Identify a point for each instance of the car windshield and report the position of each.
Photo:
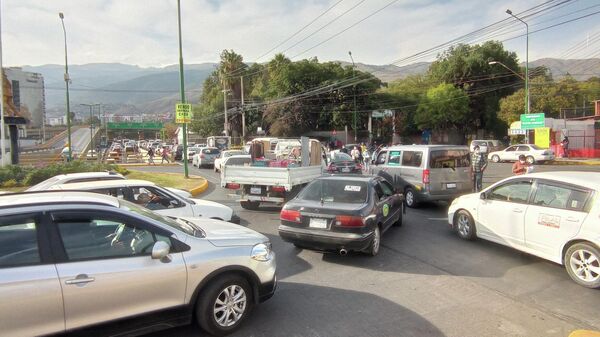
(341, 157)
(340, 191)
(184, 226)
(211, 151)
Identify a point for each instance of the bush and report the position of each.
(12, 172)
(37, 175)
(10, 183)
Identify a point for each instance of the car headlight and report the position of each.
(262, 252)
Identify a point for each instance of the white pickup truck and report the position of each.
(276, 185)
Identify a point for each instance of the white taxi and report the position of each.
(554, 215)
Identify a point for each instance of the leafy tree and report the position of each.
(443, 107)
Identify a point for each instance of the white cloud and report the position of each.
(144, 32)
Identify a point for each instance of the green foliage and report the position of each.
(10, 183)
(443, 107)
(34, 175)
(12, 172)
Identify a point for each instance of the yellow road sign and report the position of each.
(183, 113)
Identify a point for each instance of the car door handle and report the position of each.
(571, 219)
(517, 210)
(80, 279)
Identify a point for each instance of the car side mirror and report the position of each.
(160, 251)
(482, 196)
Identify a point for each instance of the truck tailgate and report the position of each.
(269, 176)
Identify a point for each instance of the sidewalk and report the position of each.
(575, 161)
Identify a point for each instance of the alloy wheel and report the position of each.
(230, 306)
(464, 225)
(585, 265)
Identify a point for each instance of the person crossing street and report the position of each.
(478, 165)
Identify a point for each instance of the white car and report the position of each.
(532, 153)
(224, 155)
(205, 156)
(552, 215)
(75, 178)
(162, 200)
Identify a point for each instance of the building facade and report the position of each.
(28, 95)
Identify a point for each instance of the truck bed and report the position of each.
(287, 177)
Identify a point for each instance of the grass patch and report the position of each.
(14, 189)
(175, 180)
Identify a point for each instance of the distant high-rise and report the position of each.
(28, 94)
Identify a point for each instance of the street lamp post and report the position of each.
(182, 90)
(225, 123)
(527, 96)
(354, 117)
(67, 80)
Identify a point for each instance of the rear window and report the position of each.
(449, 159)
(342, 157)
(348, 192)
(412, 158)
(211, 151)
(238, 161)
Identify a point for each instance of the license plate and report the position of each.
(317, 223)
(255, 190)
(345, 169)
(450, 185)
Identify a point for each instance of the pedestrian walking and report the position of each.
(355, 154)
(151, 156)
(521, 166)
(366, 159)
(164, 156)
(478, 165)
(565, 146)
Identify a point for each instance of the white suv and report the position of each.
(78, 261)
(550, 215)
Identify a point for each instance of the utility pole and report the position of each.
(354, 116)
(527, 95)
(225, 123)
(182, 90)
(67, 80)
(2, 127)
(243, 112)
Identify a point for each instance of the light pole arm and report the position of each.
(507, 68)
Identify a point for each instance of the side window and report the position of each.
(381, 158)
(154, 199)
(577, 200)
(412, 158)
(379, 192)
(387, 189)
(97, 237)
(523, 148)
(394, 158)
(513, 192)
(510, 149)
(18, 241)
(552, 196)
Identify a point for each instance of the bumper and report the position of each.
(426, 196)
(267, 290)
(326, 241)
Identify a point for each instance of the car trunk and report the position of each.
(322, 216)
(449, 172)
(344, 166)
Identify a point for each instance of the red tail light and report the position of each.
(349, 221)
(290, 215)
(278, 189)
(426, 177)
(232, 186)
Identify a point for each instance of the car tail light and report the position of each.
(278, 189)
(426, 174)
(232, 186)
(290, 215)
(202, 156)
(359, 167)
(349, 221)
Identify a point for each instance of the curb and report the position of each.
(200, 189)
(145, 165)
(573, 162)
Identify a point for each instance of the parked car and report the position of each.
(179, 152)
(342, 213)
(223, 155)
(77, 261)
(425, 172)
(551, 215)
(205, 156)
(71, 178)
(486, 146)
(343, 163)
(158, 199)
(533, 154)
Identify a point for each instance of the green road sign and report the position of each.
(183, 113)
(533, 121)
(135, 125)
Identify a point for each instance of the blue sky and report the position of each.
(144, 32)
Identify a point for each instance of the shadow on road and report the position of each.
(309, 310)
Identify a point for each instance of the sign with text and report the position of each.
(542, 137)
(183, 113)
(533, 121)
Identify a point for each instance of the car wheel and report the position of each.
(250, 205)
(465, 226)
(410, 198)
(582, 261)
(530, 160)
(224, 305)
(496, 158)
(375, 242)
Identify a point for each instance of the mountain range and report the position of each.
(130, 89)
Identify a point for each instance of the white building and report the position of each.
(28, 94)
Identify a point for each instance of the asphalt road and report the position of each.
(425, 282)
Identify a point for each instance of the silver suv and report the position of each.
(76, 260)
